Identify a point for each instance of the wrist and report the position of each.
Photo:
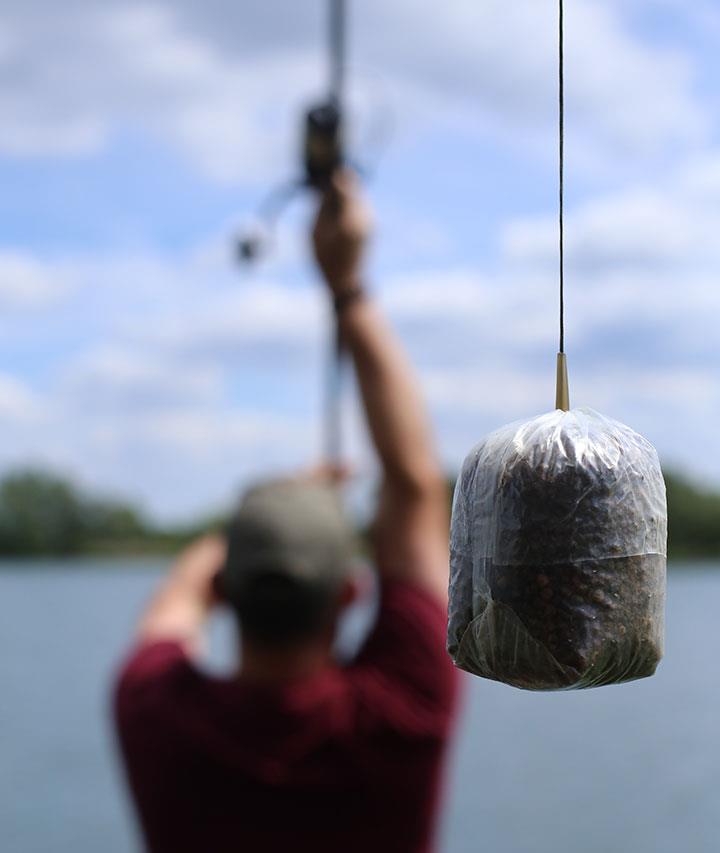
(349, 295)
(340, 282)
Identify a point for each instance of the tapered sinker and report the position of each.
(558, 555)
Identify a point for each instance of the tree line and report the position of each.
(43, 514)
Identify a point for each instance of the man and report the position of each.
(297, 753)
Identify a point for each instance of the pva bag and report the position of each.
(558, 555)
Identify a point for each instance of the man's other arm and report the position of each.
(180, 607)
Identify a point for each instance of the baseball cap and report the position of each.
(291, 528)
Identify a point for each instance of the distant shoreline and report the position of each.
(136, 560)
(45, 516)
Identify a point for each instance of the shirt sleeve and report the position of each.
(148, 666)
(403, 677)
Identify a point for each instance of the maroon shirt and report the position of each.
(349, 760)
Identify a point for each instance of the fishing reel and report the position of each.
(322, 148)
(322, 154)
(324, 142)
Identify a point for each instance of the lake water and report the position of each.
(631, 769)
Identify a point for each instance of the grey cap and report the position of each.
(293, 528)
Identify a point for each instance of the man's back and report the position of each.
(348, 759)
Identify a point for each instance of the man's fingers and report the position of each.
(345, 188)
(330, 204)
(344, 182)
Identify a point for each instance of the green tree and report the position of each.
(694, 518)
(39, 514)
(44, 514)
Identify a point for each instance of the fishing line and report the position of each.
(562, 392)
(561, 139)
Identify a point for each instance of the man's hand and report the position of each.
(341, 232)
(181, 605)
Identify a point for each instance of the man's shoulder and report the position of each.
(402, 597)
(152, 672)
(411, 621)
(403, 676)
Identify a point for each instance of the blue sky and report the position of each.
(137, 137)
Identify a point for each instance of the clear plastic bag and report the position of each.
(558, 555)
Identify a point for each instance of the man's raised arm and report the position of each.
(412, 521)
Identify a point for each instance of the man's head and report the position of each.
(289, 563)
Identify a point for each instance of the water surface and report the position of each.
(630, 769)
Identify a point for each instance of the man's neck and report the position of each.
(273, 666)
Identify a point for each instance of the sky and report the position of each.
(137, 138)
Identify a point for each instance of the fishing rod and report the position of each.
(322, 154)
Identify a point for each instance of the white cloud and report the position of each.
(120, 380)
(491, 391)
(445, 293)
(667, 231)
(79, 75)
(257, 315)
(633, 230)
(28, 283)
(216, 435)
(184, 461)
(178, 456)
(621, 92)
(19, 406)
(228, 96)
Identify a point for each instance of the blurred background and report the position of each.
(145, 376)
